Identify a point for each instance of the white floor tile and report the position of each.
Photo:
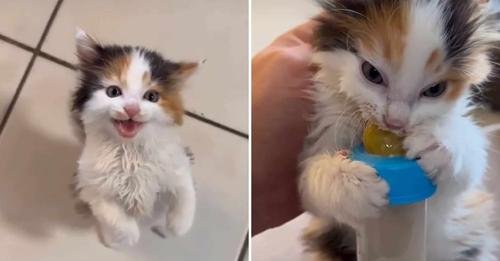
(24, 20)
(13, 62)
(37, 159)
(191, 30)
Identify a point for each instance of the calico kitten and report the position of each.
(406, 65)
(134, 169)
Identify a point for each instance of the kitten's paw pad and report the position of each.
(121, 235)
(371, 191)
(342, 154)
(432, 156)
(179, 224)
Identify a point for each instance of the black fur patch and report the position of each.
(338, 242)
(470, 253)
(459, 27)
(329, 35)
(190, 154)
(161, 69)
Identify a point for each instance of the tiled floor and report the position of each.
(38, 150)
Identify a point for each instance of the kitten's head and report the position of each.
(127, 90)
(404, 62)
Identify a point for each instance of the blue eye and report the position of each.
(371, 73)
(435, 90)
(113, 91)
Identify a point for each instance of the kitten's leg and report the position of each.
(160, 215)
(116, 228)
(470, 227)
(182, 207)
(335, 187)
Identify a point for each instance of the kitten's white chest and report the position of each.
(133, 174)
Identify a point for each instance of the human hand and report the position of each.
(281, 75)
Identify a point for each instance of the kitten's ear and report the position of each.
(86, 47)
(185, 70)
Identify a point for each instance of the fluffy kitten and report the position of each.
(133, 169)
(406, 65)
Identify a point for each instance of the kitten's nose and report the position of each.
(393, 124)
(131, 110)
(397, 115)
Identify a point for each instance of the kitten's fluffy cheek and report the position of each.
(428, 110)
(157, 114)
(341, 69)
(97, 108)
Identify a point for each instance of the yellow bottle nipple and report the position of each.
(381, 142)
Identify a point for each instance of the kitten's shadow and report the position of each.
(35, 194)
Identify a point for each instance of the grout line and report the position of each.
(216, 124)
(244, 249)
(48, 26)
(17, 43)
(58, 61)
(35, 52)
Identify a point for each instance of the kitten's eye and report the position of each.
(113, 91)
(371, 73)
(435, 90)
(152, 96)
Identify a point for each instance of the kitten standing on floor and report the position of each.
(408, 66)
(134, 169)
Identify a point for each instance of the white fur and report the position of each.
(451, 146)
(128, 182)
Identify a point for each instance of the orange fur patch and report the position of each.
(146, 78)
(456, 89)
(382, 30)
(171, 102)
(117, 69)
(434, 61)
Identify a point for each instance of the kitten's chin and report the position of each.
(127, 129)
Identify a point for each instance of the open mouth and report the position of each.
(128, 128)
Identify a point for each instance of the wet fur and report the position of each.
(435, 41)
(128, 183)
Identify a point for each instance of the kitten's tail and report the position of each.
(492, 128)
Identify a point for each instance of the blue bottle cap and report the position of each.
(408, 183)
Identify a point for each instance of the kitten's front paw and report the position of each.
(179, 224)
(430, 154)
(370, 190)
(120, 235)
(334, 186)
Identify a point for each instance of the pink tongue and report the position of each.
(127, 129)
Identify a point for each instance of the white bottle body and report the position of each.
(399, 234)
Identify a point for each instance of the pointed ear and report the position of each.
(185, 70)
(86, 47)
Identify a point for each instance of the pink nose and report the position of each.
(131, 110)
(394, 124)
